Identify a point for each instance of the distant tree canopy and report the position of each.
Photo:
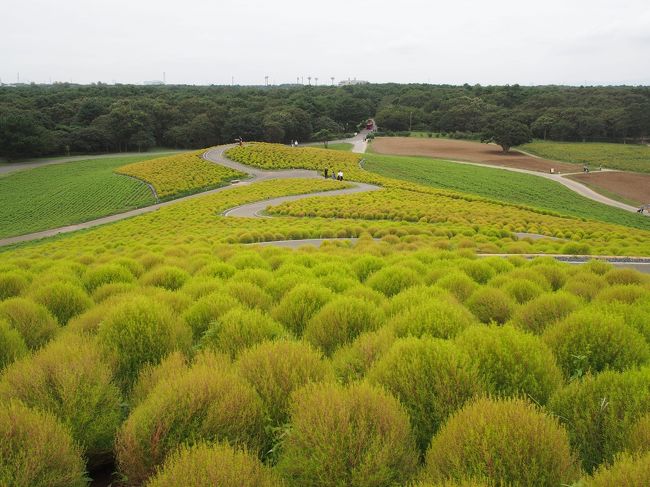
(506, 132)
(42, 120)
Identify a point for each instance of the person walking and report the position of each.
(325, 172)
(340, 176)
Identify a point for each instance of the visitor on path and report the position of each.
(643, 207)
(295, 143)
(325, 172)
(340, 178)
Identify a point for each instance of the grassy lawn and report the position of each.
(63, 194)
(500, 185)
(612, 156)
(342, 146)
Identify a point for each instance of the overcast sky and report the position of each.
(573, 42)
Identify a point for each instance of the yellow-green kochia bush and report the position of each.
(106, 274)
(340, 321)
(600, 411)
(439, 319)
(172, 366)
(352, 361)
(206, 310)
(626, 470)
(473, 482)
(168, 277)
(355, 436)
(71, 379)
(393, 279)
(36, 450)
(298, 306)
(639, 437)
(491, 305)
(509, 441)
(139, 332)
(512, 362)
(33, 321)
(12, 283)
(63, 300)
(545, 310)
(12, 345)
(209, 465)
(432, 378)
(278, 368)
(210, 402)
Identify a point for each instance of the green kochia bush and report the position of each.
(250, 295)
(209, 402)
(63, 300)
(355, 436)
(431, 377)
(209, 465)
(299, 305)
(172, 366)
(537, 314)
(12, 345)
(352, 361)
(106, 274)
(639, 438)
(239, 329)
(340, 321)
(627, 470)
(458, 283)
(168, 277)
(12, 283)
(206, 310)
(509, 441)
(36, 450)
(393, 279)
(590, 340)
(600, 411)
(70, 378)
(441, 319)
(490, 304)
(140, 332)
(33, 321)
(512, 362)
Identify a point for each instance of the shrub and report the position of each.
(70, 378)
(199, 287)
(354, 436)
(393, 279)
(278, 368)
(300, 304)
(590, 341)
(208, 465)
(627, 470)
(509, 441)
(431, 378)
(33, 321)
(624, 276)
(352, 361)
(366, 265)
(250, 295)
(490, 304)
(537, 314)
(340, 321)
(416, 296)
(628, 293)
(102, 293)
(167, 277)
(441, 319)
(522, 290)
(12, 345)
(553, 273)
(36, 450)
(140, 332)
(479, 271)
(639, 438)
(585, 285)
(205, 403)
(239, 329)
(473, 482)
(206, 310)
(63, 300)
(106, 274)
(457, 283)
(12, 283)
(600, 411)
(363, 292)
(512, 362)
(172, 366)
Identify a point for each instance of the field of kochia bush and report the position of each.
(163, 346)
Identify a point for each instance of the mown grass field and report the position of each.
(500, 185)
(72, 192)
(161, 348)
(625, 157)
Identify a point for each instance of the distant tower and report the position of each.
(332, 78)
(164, 77)
(266, 80)
(316, 81)
(309, 79)
(297, 80)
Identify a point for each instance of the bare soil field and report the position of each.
(634, 187)
(462, 150)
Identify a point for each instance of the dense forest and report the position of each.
(62, 118)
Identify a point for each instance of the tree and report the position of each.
(507, 133)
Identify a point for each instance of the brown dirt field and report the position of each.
(632, 186)
(462, 150)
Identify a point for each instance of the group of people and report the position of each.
(293, 143)
(337, 176)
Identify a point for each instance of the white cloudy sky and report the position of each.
(211, 41)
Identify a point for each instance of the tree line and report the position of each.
(40, 120)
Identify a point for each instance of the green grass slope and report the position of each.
(500, 185)
(63, 194)
(611, 156)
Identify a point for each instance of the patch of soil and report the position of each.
(462, 150)
(632, 186)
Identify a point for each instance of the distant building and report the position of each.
(355, 81)
(154, 82)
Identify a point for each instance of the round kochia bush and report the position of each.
(63, 300)
(206, 310)
(340, 321)
(393, 279)
(512, 362)
(590, 340)
(352, 361)
(441, 319)
(209, 465)
(140, 332)
(33, 321)
(12, 283)
(298, 306)
(490, 304)
(168, 277)
(600, 412)
(12, 345)
(639, 438)
(549, 308)
(431, 377)
(508, 441)
(70, 378)
(106, 274)
(208, 402)
(354, 436)
(278, 368)
(36, 450)
(627, 470)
